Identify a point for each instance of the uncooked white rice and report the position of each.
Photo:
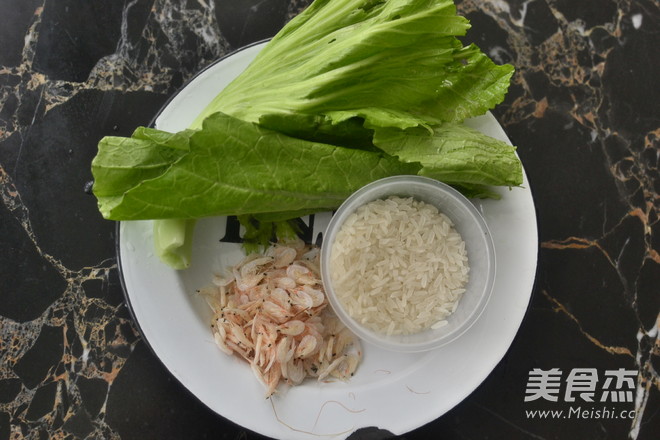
(398, 266)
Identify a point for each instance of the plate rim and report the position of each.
(120, 266)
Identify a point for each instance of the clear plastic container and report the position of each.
(479, 244)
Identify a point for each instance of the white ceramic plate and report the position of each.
(397, 392)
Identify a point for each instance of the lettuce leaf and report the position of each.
(229, 167)
(393, 63)
(146, 154)
(454, 153)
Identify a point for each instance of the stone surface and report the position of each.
(583, 110)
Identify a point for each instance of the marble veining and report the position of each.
(583, 109)
(93, 339)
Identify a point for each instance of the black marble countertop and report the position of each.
(583, 109)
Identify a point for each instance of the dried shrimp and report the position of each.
(271, 310)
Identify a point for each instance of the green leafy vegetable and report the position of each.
(454, 154)
(173, 241)
(122, 161)
(393, 63)
(231, 167)
(259, 232)
(347, 92)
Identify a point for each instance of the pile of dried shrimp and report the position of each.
(272, 311)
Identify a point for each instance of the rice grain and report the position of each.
(399, 266)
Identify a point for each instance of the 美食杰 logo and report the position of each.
(590, 394)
